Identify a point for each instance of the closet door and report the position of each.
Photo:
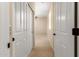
(64, 22)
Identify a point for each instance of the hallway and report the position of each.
(42, 47)
(39, 29)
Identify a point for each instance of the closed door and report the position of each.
(63, 24)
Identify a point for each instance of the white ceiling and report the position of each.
(41, 9)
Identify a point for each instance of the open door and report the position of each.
(22, 29)
(19, 29)
(63, 24)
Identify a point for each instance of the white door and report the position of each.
(64, 22)
(4, 29)
(19, 29)
(22, 29)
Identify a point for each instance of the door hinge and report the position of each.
(8, 45)
(75, 31)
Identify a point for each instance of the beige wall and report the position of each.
(40, 25)
(50, 26)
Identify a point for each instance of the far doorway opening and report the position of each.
(42, 31)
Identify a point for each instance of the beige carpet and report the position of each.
(42, 47)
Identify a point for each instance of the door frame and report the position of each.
(32, 24)
(75, 26)
(10, 28)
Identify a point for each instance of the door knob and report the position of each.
(54, 34)
(13, 39)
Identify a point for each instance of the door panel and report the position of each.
(64, 22)
(22, 29)
(19, 45)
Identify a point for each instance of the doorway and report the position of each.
(42, 31)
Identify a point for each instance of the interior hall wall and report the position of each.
(40, 25)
